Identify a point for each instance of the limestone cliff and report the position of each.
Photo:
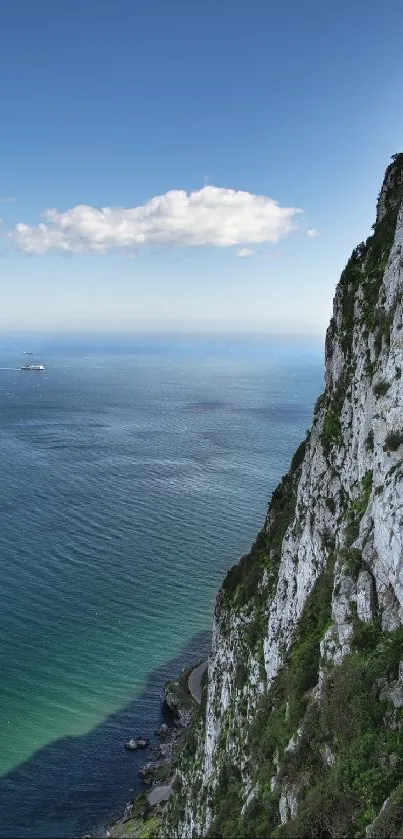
(302, 730)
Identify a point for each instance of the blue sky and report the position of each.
(110, 103)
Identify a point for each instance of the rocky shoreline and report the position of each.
(142, 815)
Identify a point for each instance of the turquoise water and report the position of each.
(133, 474)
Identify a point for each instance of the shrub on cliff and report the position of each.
(393, 440)
(331, 432)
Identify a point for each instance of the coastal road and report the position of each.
(194, 681)
(160, 793)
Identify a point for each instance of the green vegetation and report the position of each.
(366, 636)
(366, 484)
(142, 823)
(350, 281)
(137, 829)
(378, 246)
(240, 674)
(368, 754)
(331, 432)
(370, 365)
(239, 591)
(242, 579)
(381, 388)
(369, 443)
(189, 739)
(319, 404)
(180, 688)
(331, 505)
(277, 717)
(389, 823)
(384, 322)
(228, 804)
(393, 440)
(357, 509)
(299, 454)
(361, 732)
(241, 582)
(358, 293)
(352, 561)
(342, 753)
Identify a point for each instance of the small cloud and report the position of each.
(312, 232)
(7, 199)
(244, 252)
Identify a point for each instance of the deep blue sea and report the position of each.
(133, 474)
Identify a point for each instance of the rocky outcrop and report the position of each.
(133, 745)
(304, 687)
(182, 705)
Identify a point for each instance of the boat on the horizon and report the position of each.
(31, 365)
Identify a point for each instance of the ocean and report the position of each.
(133, 473)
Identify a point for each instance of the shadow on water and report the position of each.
(80, 784)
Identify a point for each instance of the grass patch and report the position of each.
(331, 432)
(368, 754)
(352, 561)
(357, 509)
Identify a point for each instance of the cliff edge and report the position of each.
(302, 734)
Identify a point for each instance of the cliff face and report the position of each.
(302, 731)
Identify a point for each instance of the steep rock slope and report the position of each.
(302, 728)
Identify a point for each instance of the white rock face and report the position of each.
(365, 597)
(288, 804)
(302, 560)
(330, 487)
(303, 557)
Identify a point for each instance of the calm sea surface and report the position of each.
(132, 475)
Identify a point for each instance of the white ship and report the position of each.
(30, 365)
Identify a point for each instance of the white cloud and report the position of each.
(7, 199)
(210, 216)
(312, 232)
(244, 252)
